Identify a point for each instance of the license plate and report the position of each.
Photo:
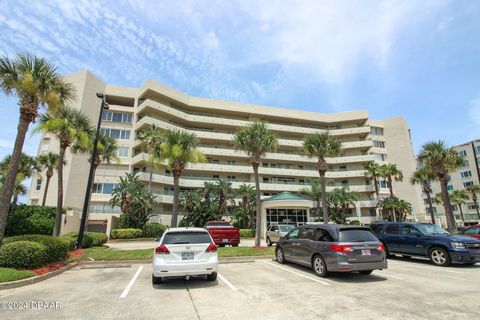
(225, 240)
(187, 255)
(366, 252)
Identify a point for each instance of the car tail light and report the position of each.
(161, 249)
(341, 248)
(211, 248)
(381, 248)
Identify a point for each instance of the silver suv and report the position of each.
(276, 231)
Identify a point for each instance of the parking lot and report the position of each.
(409, 289)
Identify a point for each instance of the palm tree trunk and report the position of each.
(474, 198)
(7, 190)
(258, 215)
(324, 196)
(58, 214)
(390, 185)
(461, 212)
(176, 194)
(150, 179)
(430, 205)
(377, 197)
(447, 205)
(45, 192)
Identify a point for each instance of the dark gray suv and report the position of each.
(327, 248)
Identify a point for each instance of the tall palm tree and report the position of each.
(49, 163)
(314, 192)
(403, 208)
(71, 127)
(440, 159)
(459, 197)
(256, 140)
(474, 190)
(225, 194)
(179, 149)
(320, 146)
(423, 177)
(207, 190)
(372, 171)
(390, 172)
(106, 149)
(35, 82)
(341, 199)
(152, 137)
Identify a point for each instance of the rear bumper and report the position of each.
(219, 241)
(344, 266)
(466, 256)
(161, 269)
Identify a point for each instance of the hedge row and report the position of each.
(247, 233)
(29, 219)
(129, 233)
(23, 255)
(56, 248)
(151, 230)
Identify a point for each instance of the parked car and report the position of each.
(473, 231)
(332, 248)
(185, 252)
(223, 233)
(427, 240)
(276, 231)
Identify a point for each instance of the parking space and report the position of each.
(261, 289)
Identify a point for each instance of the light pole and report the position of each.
(103, 105)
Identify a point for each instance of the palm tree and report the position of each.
(152, 137)
(459, 197)
(423, 177)
(179, 149)
(106, 149)
(256, 140)
(71, 127)
(247, 191)
(35, 82)
(320, 146)
(340, 199)
(440, 159)
(474, 190)
(49, 163)
(388, 206)
(314, 193)
(123, 194)
(225, 194)
(403, 208)
(207, 190)
(391, 172)
(372, 171)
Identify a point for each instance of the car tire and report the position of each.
(212, 276)
(319, 266)
(365, 272)
(221, 245)
(387, 253)
(269, 242)
(439, 257)
(235, 245)
(157, 280)
(280, 256)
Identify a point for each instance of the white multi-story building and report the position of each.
(214, 122)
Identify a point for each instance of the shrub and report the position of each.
(355, 222)
(87, 239)
(56, 248)
(154, 230)
(30, 220)
(247, 233)
(98, 238)
(23, 255)
(126, 233)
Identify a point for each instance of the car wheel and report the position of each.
(319, 266)
(279, 255)
(365, 272)
(212, 276)
(157, 280)
(221, 245)
(440, 257)
(269, 242)
(235, 245)
(387, 253)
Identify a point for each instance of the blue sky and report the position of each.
(419, 59)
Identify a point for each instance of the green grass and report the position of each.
(9, 274)
(130, 240)
(107, 254)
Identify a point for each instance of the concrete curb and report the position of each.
(35, 279)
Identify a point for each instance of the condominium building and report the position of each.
(466, 176)
(214, 122)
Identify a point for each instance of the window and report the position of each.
(392, 229)
(383, 184)
(472, 231)
(477, 149)
(186, 237)
(466, 174)
(449, 187)
(462, 153)
(117, 117)
(38, 184)
(273, 228)
(307, 233)
(323, 235)
(428, 210)
(45, 144)
(468, 184)
(116, 133)
(380, 156)
(122, 152)
(378, 144)
(293, 234)
(472, 207)
(356, 235)
(104, 188)
(376, 131)
(231, 178)
(231, 162)
(343, 168)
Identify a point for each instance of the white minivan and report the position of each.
(185, 252)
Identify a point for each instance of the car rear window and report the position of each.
(356, 235)
(286, 228)
(186, 238)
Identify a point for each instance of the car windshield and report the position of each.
(186, 238)
(356, 235)
(430, 229)
(285, 228)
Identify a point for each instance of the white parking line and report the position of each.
(390, 275)
(297, 273)
(433, 268)
(130, 284)
(227, 282)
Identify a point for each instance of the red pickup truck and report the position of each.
(223, 233)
